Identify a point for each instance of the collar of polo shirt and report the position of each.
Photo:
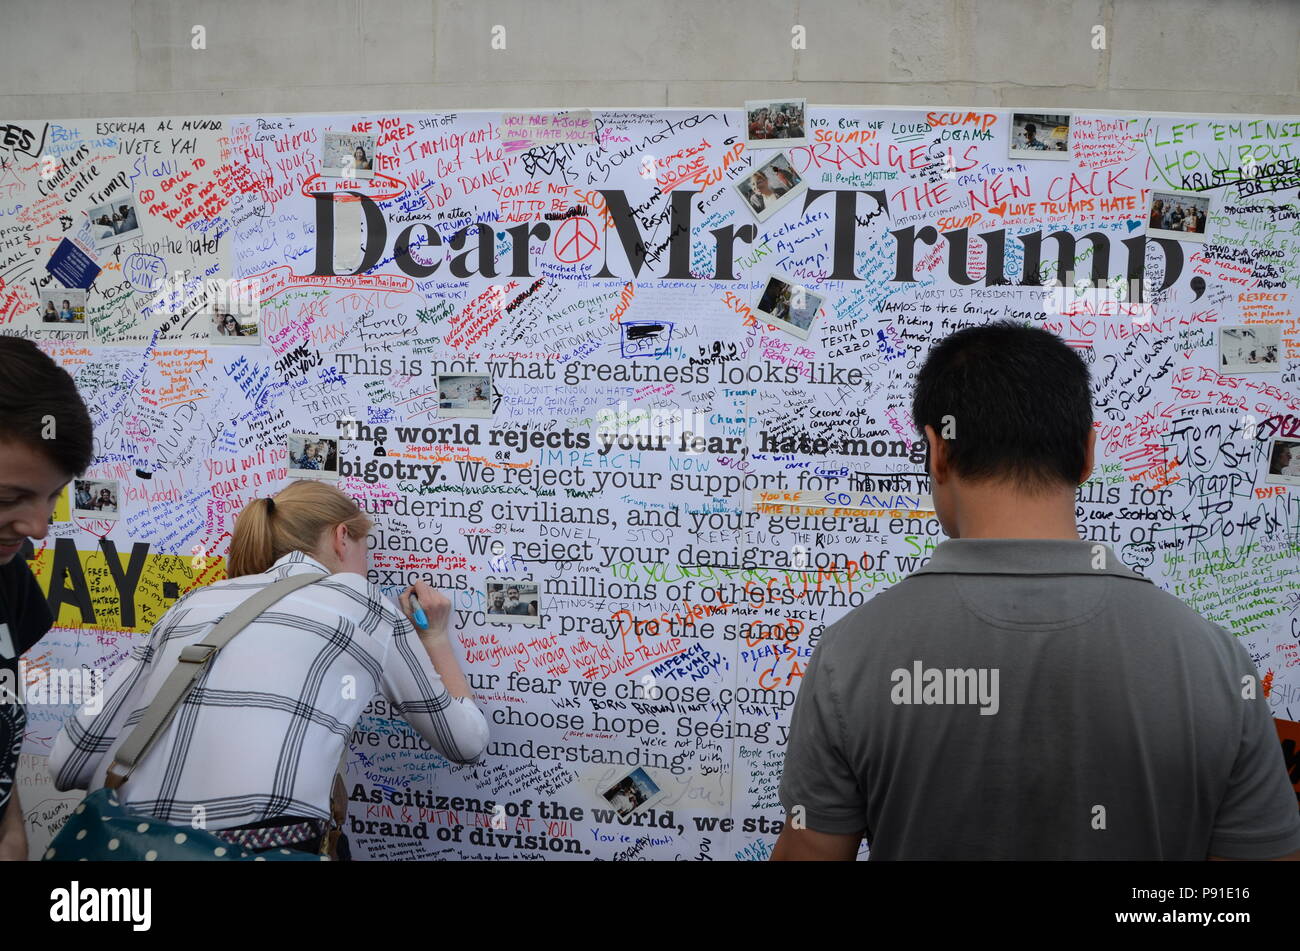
(1026, 556)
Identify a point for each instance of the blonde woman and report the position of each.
(253, 749)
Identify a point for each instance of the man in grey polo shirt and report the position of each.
(1025, 695)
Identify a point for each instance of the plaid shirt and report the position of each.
(261, 733)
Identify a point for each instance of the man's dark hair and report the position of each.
(33, 389)
(1020, 401)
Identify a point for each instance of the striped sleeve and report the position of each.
(453, 725)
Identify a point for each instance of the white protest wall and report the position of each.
(652, 563)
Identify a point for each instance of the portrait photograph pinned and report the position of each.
(772, 186)
(115, 221)
(1283, 462)
(312, 456)
(60, 314)
(468, 394)
(776, 123)
(66, 307)
(789, 305)
(347, 155)
(513, 602)
(1177, 216)
(634, 791)
(1039, 136)
(1250, 348)
(237, 329)
(95, 498)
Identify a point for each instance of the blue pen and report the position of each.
(420, 617)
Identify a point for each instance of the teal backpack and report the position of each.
(101, 829)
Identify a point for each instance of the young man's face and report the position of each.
(29, 487)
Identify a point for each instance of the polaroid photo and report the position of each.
(633, 792)
(513, 602)
(1039, 136)
(313, 456)
(789, 305)
(776, 123)
(1177, 216)
(232, 329)
(115, 221)
(1283, 462)
(771, 186)
(62, 308)
(465, 394)
(60, 314)
(95, 498)
(1250, 348)
(348, 155)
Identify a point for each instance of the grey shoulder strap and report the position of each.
(192, 661)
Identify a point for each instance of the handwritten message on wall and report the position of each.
(543, 352)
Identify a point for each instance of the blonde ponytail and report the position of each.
(268, 529)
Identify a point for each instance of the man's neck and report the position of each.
(999, 512)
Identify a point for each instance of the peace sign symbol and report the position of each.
(575, 239)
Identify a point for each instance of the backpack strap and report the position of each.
(192, 661)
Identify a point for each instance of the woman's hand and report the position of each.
(435, 606)
(434, 634)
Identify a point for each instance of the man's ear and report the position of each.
(1089, 455)
(938, 455)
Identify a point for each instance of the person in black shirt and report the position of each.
(46, 439)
